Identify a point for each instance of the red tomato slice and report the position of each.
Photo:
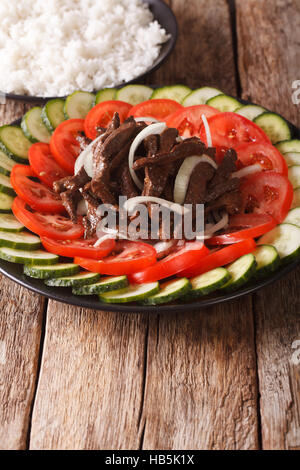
(128, 257)
(188, 120)
(46, 225)
(220, 258)
(63, 144)
(81, 247)
(44, 165)
(38, 196)
(229, 130)
(190, 254)
(265, 154)
(267, 193)
(244, 226)
(101, 115)
(158, 109)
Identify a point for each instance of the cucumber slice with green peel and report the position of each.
(36, 257)
(50, 272)
(134, 94)
(8, 223)
(107, 94)
(223, 103)
(14, 143)
(296, 198)
(208, 282)
(292, 158)
(6, 164)
(20, 241)
(78, 104)
(169, 291)
(250, 111)
(104, 285)
(173, 92)
(5, 185)
(132, 293)
(240, 271)
(288, 146)
(267, 259)
(285, 238)
(200, 96)
(274, 126)
(294, 175)
(33, 127)
(293, 216)
(6, 202)
(80, 279)
(53, 113)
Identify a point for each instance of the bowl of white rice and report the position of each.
(51, 49)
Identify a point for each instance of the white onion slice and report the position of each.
(131, 204)
(248, 170)
(156, 128)
(207, 131)
(184, 174)
(85, 159)
(145, 119)
(215, 228)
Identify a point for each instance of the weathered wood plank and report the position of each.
(269, 58)
(20, 335)
(90, 389)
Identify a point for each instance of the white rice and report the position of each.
(51, 48)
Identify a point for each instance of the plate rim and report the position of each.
(169, 47)
(64, 294)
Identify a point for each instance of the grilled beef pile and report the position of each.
(157, 162)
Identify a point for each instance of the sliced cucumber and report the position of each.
(33, 127)
(296, 198)
(223, 103)
(53, 113)
(208, 282)
(14, 143)
(5, 186)
(20, 241)
(132, 293)
(169, 291)
(294, 175)
(285, 238)
(173, 92)
(107, 94)
(293, 217)
(240, 271)
(134, 94)
(78, 104)
(50, 272)
(104, 285)
(267, 259)
(8, 223)
(250, 111)
(6, 164)
(274, 126)
(37, 257)
(289, 146)
(200, 96)
(80, 279)
(292, 158)
(6, 202)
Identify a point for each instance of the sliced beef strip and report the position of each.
(222, 182)
(91, 220)
(184, 149)
(70, 200)
(128, 187)
(72, 183)
(202, 174)
(230, 201)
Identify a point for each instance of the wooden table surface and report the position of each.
(225, 377)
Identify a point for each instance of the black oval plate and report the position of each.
(166, 18)
(64, 294)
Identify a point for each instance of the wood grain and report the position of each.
(269, 58)
(20, 336)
